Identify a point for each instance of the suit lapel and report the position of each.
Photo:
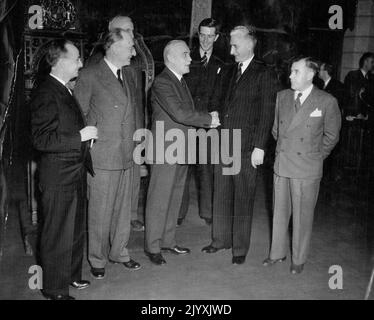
(307, 107)
(182, 89)
(109, 81)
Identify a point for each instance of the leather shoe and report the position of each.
(238, 260)
(211, 249)
(177, 250)
(98, 273)
(58, 296)
(133, 265)
(137, 225)
(269, 262)
(297, 268)
(80, 285)
(156, 258)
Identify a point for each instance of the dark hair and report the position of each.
(310, 62)
(328, 68)
(210, 23)
(363, 58)
(112, 36)
(56, 50)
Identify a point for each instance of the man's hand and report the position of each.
(215, 119)
(88, 133)
(257, 157)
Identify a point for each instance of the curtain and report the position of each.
(7, 85)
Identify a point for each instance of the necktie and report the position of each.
(298, 102)
(239, 72)
(119, 77)
(204, 60)
(183, 82)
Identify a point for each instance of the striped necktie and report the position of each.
(204, 60)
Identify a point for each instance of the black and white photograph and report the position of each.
(186, 155)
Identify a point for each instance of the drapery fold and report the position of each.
(7, 78)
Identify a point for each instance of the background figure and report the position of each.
(205, 84)
(306, 127)
(60, 135)
(249, 106)
(133, 73)
(173, 108)
(336, 89)
(357, 86)
(107, 100)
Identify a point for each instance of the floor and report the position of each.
(342, 237)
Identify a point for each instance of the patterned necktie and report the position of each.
(119, 77)
(239, 72)
(204, 60)
(298, 102)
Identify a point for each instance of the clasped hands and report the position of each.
(215, 119)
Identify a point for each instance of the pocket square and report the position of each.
(316, 113)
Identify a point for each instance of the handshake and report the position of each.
(215, 119)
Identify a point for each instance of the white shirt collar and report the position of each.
(208, 54)
(58, 79)
(246, 63)
(327, 82)
(176, 74)
(304, 93)
(112, 67)
(363, 73)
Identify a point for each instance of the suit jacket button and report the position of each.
(299, 153)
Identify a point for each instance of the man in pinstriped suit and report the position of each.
(249, 106)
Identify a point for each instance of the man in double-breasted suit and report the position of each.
(60, 134)
(306, 127)
(133, 75)
(105, 97)
(249, 107)
(173, 113)
(205, 84)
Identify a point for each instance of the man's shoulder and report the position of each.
(323, 96)
(285, 92)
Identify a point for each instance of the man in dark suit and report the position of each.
(357, 86)
(332, 85)
(173, 110)
(249, 107)
(133, 73)
(337, 90)
(306, 127)
(204, 82)
(106, 99)
(60, 135)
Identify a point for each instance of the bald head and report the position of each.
(122, 22)
(177, 56)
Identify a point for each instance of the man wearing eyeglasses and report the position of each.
(204, 82)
